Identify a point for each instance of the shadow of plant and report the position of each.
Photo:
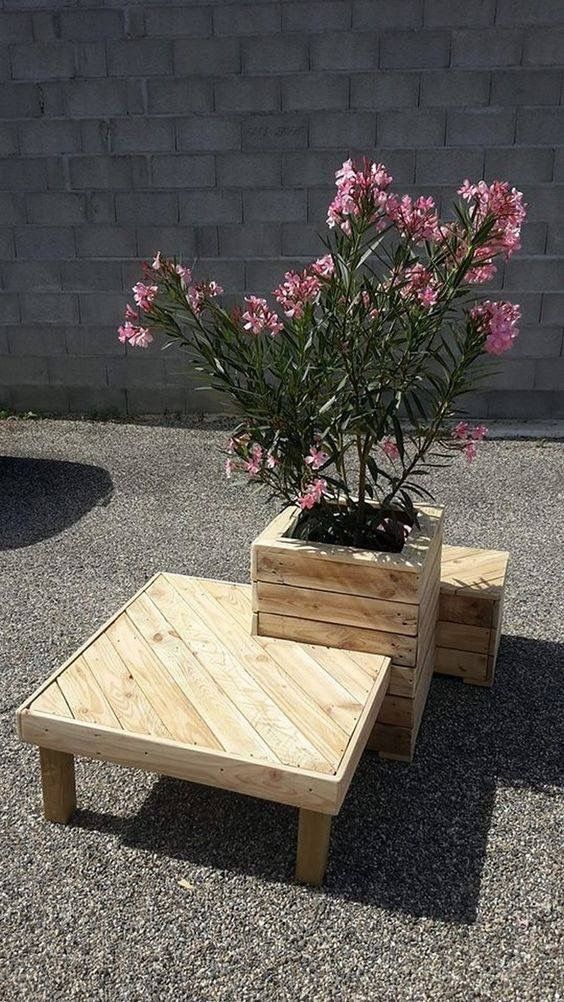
(409, 838)
(41, 497)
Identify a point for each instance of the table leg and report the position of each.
(314, 830)
(58, 783)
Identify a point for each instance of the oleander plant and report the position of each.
(348, 385)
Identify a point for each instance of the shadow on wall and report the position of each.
(40, 497)
(409, 838)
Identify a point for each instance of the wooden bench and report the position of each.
(470, 613)
(175, 684)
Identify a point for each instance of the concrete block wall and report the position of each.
(212, 130)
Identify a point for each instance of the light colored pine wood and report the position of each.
(282, 739)
(58, 785)
(468, 609)
(473, 572)
(224, 721)
(316, 731)
(282, 566)
(65, 664)
(84, 696)
(314, 833)
(333, 607)
(283, 784)
(355, 674)
(401, 649)
(51, 700)
(134, 712)
(460, 663)
(462, 637)
(122, 682)
(169, 701)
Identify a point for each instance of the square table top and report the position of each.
(174, 683)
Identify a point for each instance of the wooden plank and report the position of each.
(314, 832)
(84, 696)
(334, 607)
(315, 730)
(58, 785)
(134, 712)
(391, 742)
(461, 637)
(224, 721)
(401, 649)
(283, 741)
(354, 674)
(167, 698)
(284, 567)
(410, 560)
(51, 700)
(460, 663)
(82, 648)
(364, 727)
(283, 784)
(468, 609)
(472, 571)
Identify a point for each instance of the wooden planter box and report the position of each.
(470, 613)
(354, 599)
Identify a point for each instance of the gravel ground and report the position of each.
(443, 877)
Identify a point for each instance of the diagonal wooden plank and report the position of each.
(304, 713)
(51, 700)
(236, 599)
(126, 699)
(283, 742)
(167, 698)
(330, 695)
(310, 672)
(221, 716)
(84, 696)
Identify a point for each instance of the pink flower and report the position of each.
(390, 448)
(130, 313)
(230, 466)
(417, 220)
(312, 494)
(420, 285)
(137, 337)
(359, 189)
(324, 267)
(296, 291)
(464, 433)
(271, 461)
(317, 458)
(185, 273)
(461, 430)
(257, 317)
(156, 265)
(470, 451)
(498, 322)
(479, 432)
(506, 205)
(253, 465)
(144, 295)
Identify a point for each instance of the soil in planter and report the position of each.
(385, 532)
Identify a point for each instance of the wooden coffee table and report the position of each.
(175, 684)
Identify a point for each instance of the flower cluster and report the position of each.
(248, 457)
(498, 322)
(258, 317)
(316, 458)
(417, 219)
(420, 285)
(131, 331)
(462, 432)
(312, 494)
(295, 291)
(389, 448)
(505, 205)
(361, 190)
